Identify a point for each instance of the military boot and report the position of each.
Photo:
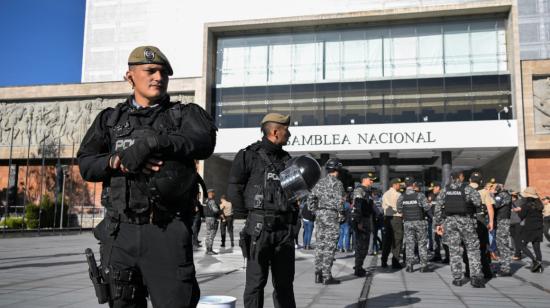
(330, 280)
(360, 272)
(458, 282)
(318, 277)
(395, 264)
(477, 282)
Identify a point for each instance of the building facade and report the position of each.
(399, 87)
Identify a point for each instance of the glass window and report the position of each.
(305, 110)
(501, 48)
(280, 66)
(255, 106)
(330, 98)
(279, 98)
(484, 46)
(353, 103)
(233, 70)
(405, 110)
(430, 50)
(457, 48)
(304, 62)
(230, 107)
(354, 55)
(256, 65)
(374, 53)
(432, 109)
(332, 61)
(458, 109)
(378, 94)
(400, 52)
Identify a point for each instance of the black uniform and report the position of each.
(362, 225)
(145, 238)
(267, 238)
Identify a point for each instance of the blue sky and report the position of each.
(41, 41)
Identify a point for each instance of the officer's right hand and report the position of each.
(116, 164)
(439, 230)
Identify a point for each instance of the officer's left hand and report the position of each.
(152, 165)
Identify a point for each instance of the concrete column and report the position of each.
(446, 167)
(384, 170)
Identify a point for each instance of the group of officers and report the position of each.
(144, 151)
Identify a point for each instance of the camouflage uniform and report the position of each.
(503, 230)
(362, 216)
(459, 229)
(415, 229)
(211, 222)
(326, 200)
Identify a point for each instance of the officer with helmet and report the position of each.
(265, 183)
(144, 151)
(327, 200)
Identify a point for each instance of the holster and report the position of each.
(244, 243)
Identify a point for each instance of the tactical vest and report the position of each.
(455, 201)
(365, 208)
(502, 211)
(411, 208)
(170, 188)
(267, 193)
(211, 209)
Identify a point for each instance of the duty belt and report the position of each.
(148, 217)
(271, 221)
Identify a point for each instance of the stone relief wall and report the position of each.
(51, 123)
(541, 102)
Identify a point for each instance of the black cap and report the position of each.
(476, 177)
(409, 181)
(456, 172)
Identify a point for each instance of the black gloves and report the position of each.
(134, 157)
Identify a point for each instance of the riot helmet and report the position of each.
(299, 177)
(333, 164)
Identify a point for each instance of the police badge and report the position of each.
(149, 54)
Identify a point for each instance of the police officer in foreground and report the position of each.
(327, 200)
(414, 205)
(267, 239)
(363, 209)
(212, 213)
(454, 219)
(145, 237)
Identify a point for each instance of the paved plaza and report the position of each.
(50, 271)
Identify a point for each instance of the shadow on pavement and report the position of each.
(398, 299)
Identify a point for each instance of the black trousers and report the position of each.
(536, 249)
(273, 249)
(515, 233)
(227, 226)
(160, 260)
(196, 228)
(483, 236)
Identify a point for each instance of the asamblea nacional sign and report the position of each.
(381, 137)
